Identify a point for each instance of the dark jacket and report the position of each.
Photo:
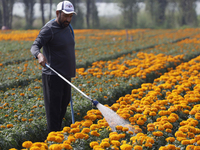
(58, 48)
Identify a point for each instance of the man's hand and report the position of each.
(41, 59)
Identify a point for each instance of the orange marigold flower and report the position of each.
(119, 127)
(114, 137)
(105, 144)
(92, 144)
(126, 147)
(67, 146)
(71, 139)
(197, 148)
(115, 143)
(130, 132)
(95, 133)
(140, 122)
(180, 134)
(125, 129)
(171, 119)
(158, 133)
(66, 129)
(152, 113)
(148, 145)
(183, 129)
(22, 94)
(75, 130)
(197, 116)
(94, 127)
(56, 146)
(150, 129)
(58, 139)
(50, 138)
(138, 147)
(150, 140)
(168, 125)
(87, 123)
(9, 125)
(168, 130)
(170, 139)
(27, 144)
(163, 148)
(189, 147)
(85, 130)
(92, 117)
(122, 135)
(172, 147)
(185, 142)
(73, 125)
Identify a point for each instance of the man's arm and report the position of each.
(44, 36)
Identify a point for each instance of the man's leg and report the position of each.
(52, 89)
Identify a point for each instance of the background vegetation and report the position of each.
(110, 66)
(157, 14)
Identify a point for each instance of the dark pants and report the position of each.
(57, 95)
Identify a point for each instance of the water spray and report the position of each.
(111, 117)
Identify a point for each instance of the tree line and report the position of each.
(159, 13)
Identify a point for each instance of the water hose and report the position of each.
(93, 101)
(111, 117)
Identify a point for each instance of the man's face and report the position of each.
(64, 19)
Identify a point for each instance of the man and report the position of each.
(59, 53)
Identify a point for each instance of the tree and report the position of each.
(78, 20)
(50, 9)
(129, 12)
(171, 19)
(157, 9)
(91, 14)
(88, 13)
(7, 12)
(42, 11)
(29, 13)
(187, 11)
(0, 16)
(95, 18)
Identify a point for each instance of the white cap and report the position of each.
(66, 7)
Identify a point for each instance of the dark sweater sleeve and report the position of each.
(44, 36)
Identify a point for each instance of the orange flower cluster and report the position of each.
(15, 35)
(140, 67)
(168, 107)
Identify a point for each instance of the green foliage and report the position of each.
(129, 9)
(24, 93)
(144, 21)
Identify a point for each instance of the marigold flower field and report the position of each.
(148, 77)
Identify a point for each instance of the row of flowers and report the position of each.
(23, 106)
(111, 43)
(24, 65)
(114, 74)
(162, 115)
(121, 74)
(23, 114)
